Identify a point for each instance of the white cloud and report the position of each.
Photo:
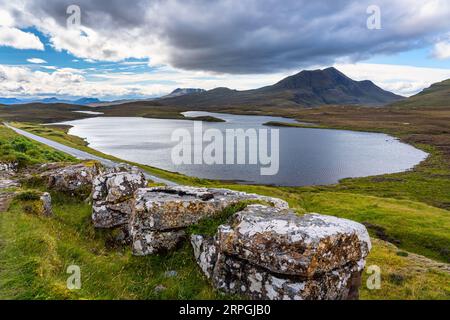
(23, 81)
(49, 67)
(16, 38)
(442, 50)
(36, 61)
(234, 36)
(400, 79)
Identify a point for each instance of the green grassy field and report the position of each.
(409, 209)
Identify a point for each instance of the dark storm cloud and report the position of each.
(261, 35)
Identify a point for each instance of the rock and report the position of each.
(205, 252)
(46, 200)
(159, 288)
(6, 184)
(8, 170)
(9, 167)
(241, 277)
(152, 242)
(170, 274)
(166, 210)
(112, 195)
(271, 253)
(73, 178)
(284, 242)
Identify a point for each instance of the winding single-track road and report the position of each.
(82, 155)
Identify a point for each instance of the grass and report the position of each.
(410, 208)
(36, 251)
(35, 254)
(392, 199)
(24, 152)
(417, 227)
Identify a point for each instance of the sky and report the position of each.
(114, 49)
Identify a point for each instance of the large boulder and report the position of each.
(163, 212)
(268, 253)
(113, 195)
(72, 179)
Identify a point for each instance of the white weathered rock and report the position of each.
(165, 209)
(113, 195)
(6, 184)
(284, 242)
(71, 178)
(268, 253)
(152, 242)
(9, 167)
(46, 200)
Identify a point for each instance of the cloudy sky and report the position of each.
(145, 48)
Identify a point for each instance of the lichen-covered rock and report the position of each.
(284, 242)
(152, 242)
(7, 184)
(205, 252)
(46, 200)
(270, 253)
(10, 167)
(236, 276)
(165, 209)
(113, 195)
(75, 178)
(8, 170)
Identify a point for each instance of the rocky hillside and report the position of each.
(183, 91)
(437, 96)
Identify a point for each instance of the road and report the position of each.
(82, 155)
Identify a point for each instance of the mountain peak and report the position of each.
(183, 91)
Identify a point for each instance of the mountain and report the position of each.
(53, 100)
(86, 101)
(8, 101)
(308, 88)
(437, 95)
(183, 91)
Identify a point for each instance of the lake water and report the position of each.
(307, 156)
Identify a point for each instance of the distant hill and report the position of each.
(86, 101)
(305, 89)
(7, 101)
(182, 92)
(437, 95)
(53, 100)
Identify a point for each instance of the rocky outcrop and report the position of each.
(271, 253)
(46, 201)
(7, 184)
(73, 179)
(113, 195)
(10, 167)
(161, 214)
